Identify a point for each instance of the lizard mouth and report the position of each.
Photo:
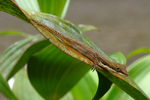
(124, 73)
(127, 74)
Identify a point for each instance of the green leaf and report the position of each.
(138, 51)
(17, 33)
(53, 73)
(140, 72)
(68, 96)
(85, 28)
(28, 4)
(103, 86)
(4, 88)
(8, 6)
(23, 89)
(14, 57)
(55, 7)
(86, 87)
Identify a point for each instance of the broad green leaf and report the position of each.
(28, 4)
(86, 87)
(53, 73)
(55, 7)
(23, 89)
(17, 33)
(85, 28)
(138, 51)
(4, 88)
(140, 73)
(13, 55)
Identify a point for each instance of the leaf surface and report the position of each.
(28, 4)
(22, 87)
(55, 7)
(86, 88)
(53, 73)
(4, 88)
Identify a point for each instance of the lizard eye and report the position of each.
(118, 68)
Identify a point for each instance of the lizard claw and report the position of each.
(93, 68)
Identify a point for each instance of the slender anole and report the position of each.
(98, 60)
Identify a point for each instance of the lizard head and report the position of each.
(121, 69)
